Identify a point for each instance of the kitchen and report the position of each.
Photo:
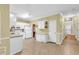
(39, 23)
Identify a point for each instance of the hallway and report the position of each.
(32, 47)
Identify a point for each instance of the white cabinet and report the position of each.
(16, 44)
(41, 37)
(41, 24)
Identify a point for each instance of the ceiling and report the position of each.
(40, 10)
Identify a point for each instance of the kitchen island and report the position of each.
(16, 44)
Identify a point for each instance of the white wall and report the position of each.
(12, 20)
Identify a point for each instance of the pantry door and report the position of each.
(52, 31)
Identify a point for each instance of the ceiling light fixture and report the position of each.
(27, 15)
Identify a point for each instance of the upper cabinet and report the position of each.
(42, 24)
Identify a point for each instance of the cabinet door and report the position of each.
(41, 37)
(52, 30)
(41, 24)
(16, 45)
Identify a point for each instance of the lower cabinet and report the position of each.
(42, 37)
(16, 45)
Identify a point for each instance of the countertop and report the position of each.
(14, 36)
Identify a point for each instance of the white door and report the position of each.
(68, 28)
(52, 30)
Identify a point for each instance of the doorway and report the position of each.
(34, 31)
(68, 29)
